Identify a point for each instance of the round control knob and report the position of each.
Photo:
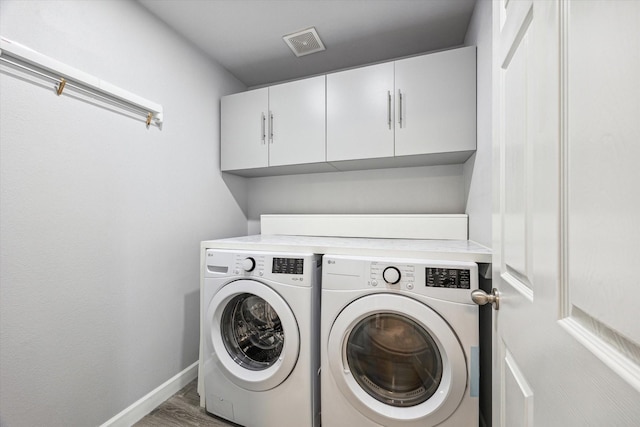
(248, 264)
(391, 275)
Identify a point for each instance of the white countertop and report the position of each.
(454, 250)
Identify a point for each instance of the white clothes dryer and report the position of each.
(399, 342)
(261, 334)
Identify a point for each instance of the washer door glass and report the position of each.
(394, 359)
(252, 332)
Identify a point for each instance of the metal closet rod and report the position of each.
(50, 69)
(63, 83)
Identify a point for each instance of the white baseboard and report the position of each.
(148, 403)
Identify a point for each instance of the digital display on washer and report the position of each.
(448, 278)
(288, 265)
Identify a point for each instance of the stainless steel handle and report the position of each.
(400, 106)
(263, 119)
(480, 297)
(271, 127)
(389, 108)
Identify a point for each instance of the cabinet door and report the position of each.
(436, 98)
(360, 113)
(243, 143)
(297, 122)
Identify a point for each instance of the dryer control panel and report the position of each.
(451, 280)
(430, 276)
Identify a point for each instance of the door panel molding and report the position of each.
(516, 30)
(516, 225)
(612, 346)
(518, 394)
(518, 283)
(617, 352)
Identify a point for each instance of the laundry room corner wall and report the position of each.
(101, 218)
(477, 170)
(415, 190)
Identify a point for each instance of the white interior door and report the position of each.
(567, 197)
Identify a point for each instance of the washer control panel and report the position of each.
(287, 265)
(253, 265)
(278, 265)
(248, 264)
(291, 268)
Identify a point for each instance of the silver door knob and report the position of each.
(480, 297)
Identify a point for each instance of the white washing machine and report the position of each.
(399, 342)
(261, 333)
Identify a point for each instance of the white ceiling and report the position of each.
(245, 36)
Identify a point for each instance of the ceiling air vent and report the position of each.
(304, 42)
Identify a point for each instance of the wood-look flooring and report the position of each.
(182, 409)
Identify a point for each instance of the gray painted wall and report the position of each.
(477, 170)
(101, 219)
(433, 189)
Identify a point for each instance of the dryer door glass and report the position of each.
(252, 332)
(394, 359)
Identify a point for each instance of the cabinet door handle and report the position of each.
(271, 127)
(262, 122)
(389, 108)
(400, 107)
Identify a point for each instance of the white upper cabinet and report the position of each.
(276, 126)
(297, 122)
(410, 112)
(360, 113)
(436, 99)
(243, 130)
(417, 106)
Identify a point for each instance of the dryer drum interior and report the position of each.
(394, 359)
(252, 332)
